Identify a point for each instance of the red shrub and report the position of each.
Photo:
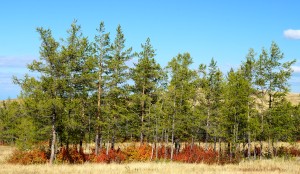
(113, 156)
(196, 154)
(71, 155)
(293, 151)
(164, 152)
(35, 156)
(142, 153)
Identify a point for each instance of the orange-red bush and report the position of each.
(294, 152)
(142, 153)
(71, 155)
(196, 154)
(116, 156)
(35, 156)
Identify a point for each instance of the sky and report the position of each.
(224, 30)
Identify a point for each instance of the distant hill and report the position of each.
(294, 98)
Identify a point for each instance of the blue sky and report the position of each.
(224, 30)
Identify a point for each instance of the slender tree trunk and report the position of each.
(52, 156)
(248, 132)
(207, 128)
(53, 141)
(215, 143)
(142, 115)
(173, 128)
(156, 135)
(107, 146)
(270, 152)
(172, 148)
(261, 149)
(167, 142)
(220, 149)
(98, 129)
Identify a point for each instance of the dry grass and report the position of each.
(5, 151)
(253, 167)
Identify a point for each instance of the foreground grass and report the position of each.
(253, 167)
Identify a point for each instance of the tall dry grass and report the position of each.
(252, 167)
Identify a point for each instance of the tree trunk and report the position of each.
(53, 141)
(215, 143)
(98, 129)
(172, 149)
(248, 132)
(220, 149)
(142, 115)
(107, 147)
(166, 146)
(52, 156)
(207, 128)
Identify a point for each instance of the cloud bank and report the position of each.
(292, 34)
(296, 69)
(15, 61)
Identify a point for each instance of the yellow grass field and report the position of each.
(252, 167)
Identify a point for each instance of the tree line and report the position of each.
(85, 91)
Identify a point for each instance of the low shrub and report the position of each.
(116, 156)
(71, 155)
(196, 154)
(35, 156)
(141, 153)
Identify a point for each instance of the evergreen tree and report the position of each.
(212, 90)
(248, 70)
(46, 90)
(271, 79)
(181, 90)
(102, 48)
(146, 75)
(116, 85)
(236, 108)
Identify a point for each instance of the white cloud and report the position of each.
(291, 34)
(15, 61)
(296, 69)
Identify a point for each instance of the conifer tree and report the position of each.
(46, 91)
(181, 90)
(271, 79)
(102, 48)
(146, 76)
(116, 84)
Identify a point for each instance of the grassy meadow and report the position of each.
(254, 167)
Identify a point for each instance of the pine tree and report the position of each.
(181, 90)
(212, 90)
(236, 107)
(102, 48)
(271, 79)
(146, 76)
(78, 71)
(248, 68)
(46, 90)
(116, 84)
